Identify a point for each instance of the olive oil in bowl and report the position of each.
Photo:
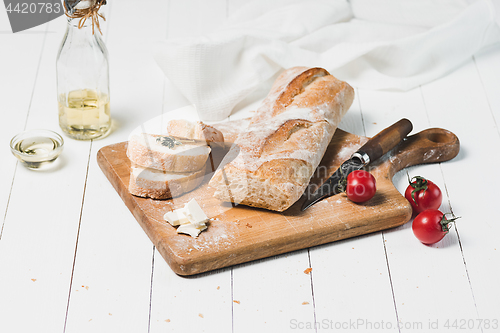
(37, 148)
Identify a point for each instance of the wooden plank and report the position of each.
(268, 293)
(461, 102)
(20, 58)
(20, 62)
(112, 275)
(350, 276)
(282, 278)
(270, 297)
(421, 280)
(272, 294)
(204, 302)
(194, 304)
(172, 305)
(41, 225)
(111, 282)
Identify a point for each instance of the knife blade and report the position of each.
(372, 150)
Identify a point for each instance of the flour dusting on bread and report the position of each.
(285, 140)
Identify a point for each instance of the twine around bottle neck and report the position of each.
(91, 12)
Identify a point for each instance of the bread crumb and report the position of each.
(200, 315)
(218, 287)
(308, 270)
(305, 303)
(237, 302)
(33, 280)
(248, 225)
(167, 320)
(109, 314)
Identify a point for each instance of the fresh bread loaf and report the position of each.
(232, 129)
(155, 184)
(285, 140)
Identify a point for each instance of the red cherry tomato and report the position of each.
(361, 186)
(431, 226)
(423, 194)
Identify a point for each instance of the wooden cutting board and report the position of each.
(241, 234)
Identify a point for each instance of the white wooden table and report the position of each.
(73, 258)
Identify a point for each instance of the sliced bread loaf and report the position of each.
(155, 184)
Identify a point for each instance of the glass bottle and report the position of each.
(83, 82)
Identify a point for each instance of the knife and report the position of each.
(372, 150)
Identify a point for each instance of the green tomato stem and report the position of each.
(445, 224)
(419, 184)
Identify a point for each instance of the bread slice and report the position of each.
(285, 140)
(155, 184)
(144, 150)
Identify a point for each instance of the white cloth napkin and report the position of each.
(372, 44)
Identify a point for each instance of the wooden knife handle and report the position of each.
(387, 139)
(429, 146)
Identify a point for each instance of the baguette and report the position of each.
(232, 129)
(285, 140)
(155, 184)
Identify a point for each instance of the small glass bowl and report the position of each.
(37, 148)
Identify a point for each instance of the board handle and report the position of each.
(384, 141)
(432, 145)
